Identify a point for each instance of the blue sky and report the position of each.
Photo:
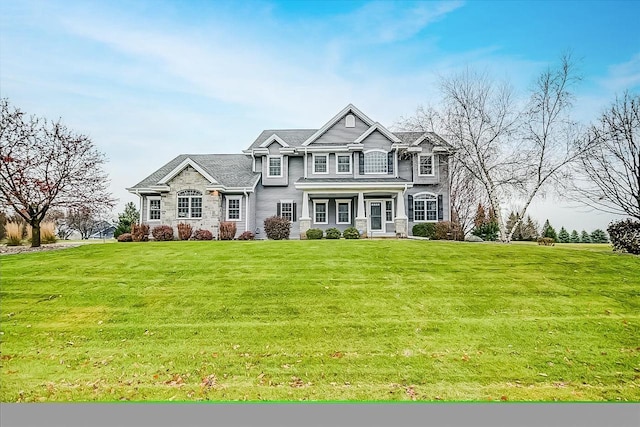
(148, 80)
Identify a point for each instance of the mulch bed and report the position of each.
(11, 250)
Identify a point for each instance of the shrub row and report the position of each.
(442, 230)
(332, 233)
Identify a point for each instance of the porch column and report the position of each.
(361, 219)
(401, 220)
(305, 219)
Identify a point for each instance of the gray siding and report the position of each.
(437, 189)
(339, 134)
(332, 167)
(271, 181)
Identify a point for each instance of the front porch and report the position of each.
(375, 210)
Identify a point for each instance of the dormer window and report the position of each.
(275, 166)
(350, 121)
(425, 165)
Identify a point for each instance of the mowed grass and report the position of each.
(382, 320)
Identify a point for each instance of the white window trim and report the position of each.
(432, 198)
(350, 164)
(325, 202)
(282, 203)
(433, 164)
(350, 121)
(239, 199)
(149, 199)
(326, 156)
(386, 167)
(189, 205)
(393, 211)
(269, 166)
(348, 202)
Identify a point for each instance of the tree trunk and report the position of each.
(35, 234)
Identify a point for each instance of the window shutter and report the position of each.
(390, 162)
(278, 211)
(410, 208)
(295, 217)
(440, 208)
(361, 163)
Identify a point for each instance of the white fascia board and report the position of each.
(378, 127)
(414, 150)
(355, 147)
(352, 108)
(230, 189)
(260, 151)
(353, 186)
(288, 150)
(160, 188)
(187, 162)
(273, 138)
(325, 149)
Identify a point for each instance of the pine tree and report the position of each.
(584, 237)
(575, 238)
(599, 236)
(513, 218)
(563, 236)
(549, 231)
(529, 231)
(125, 219)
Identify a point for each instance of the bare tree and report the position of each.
(609, 172)
(44, 165)
(84, 220)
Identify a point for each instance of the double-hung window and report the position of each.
(425, 207)
(389, 211)
(425, 165)
(154, 208)
(343, 211)
(233, 208)
(375, 162)
(274, 167)
(320, 163)
(320, 211)
(343, 163)
(286, 209)
(189, 204)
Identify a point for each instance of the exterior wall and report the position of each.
(331, 166)
(376, 141)
(438, 165)
(241, 223)
(264, 166)
(437, 189)
(405, 169)
(267, 199)
(339, 134)
(331, 213)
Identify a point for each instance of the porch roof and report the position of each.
(353, 184)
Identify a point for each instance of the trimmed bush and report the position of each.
(314, 234)
(351, 233)
(201, 234)
(184, 231)
(227, 230)
(332, 233)
(424, 229)
(162, 233)
(546, 241)
(625, 236)
(447, 230)
(125, 237)
(14, 233)
(277, 228)
(140, 233)
(247, 235)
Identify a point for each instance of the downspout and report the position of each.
(246, 214)
(253, 162)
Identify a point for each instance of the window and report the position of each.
(153, 211)
(343, 211)
(320, 163)
(425, 207)
(375, 162)
(286, 210)
(426, 165)
(343, 163)
(233, 208)
(189, 204)
(320, 211)
(275, 166)
(389, 211)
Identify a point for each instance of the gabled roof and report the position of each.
(417, 138)
(273, 138)
(377, 127)
(348, 109)
(227, 170)
(292, 137)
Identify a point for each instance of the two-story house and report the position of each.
(350, 172)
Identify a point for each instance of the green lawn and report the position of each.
(320, 320)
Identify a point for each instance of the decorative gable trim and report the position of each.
(378, 127)
(349, 108)
(187, 162)
(273, 138)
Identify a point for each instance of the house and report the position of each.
(350, 172)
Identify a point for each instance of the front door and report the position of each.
(375, 216)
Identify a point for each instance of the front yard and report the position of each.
(320, 320)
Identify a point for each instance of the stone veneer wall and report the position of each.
(190, 179)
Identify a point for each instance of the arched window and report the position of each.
(350, 121)
(425, 207)
(189, 204)
(375, 161)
